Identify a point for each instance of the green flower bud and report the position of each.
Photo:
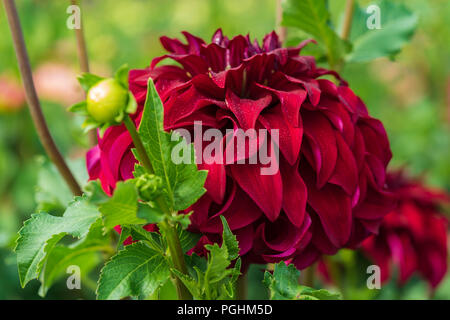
(106, 100)
(149, 186)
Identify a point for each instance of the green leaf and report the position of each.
(229, 240)
(79, 108)
(122, 207)
(154, 240)
(132, 104)
(136, 271)
(187, 239)
(283, 285)
(52, 193)
(150, 213)
(42, 231)
(83, 253)
(121, 75)
(397, 28)
(88, 80)
(95, 193)
(312, 17)
(183, 183)
(214, 279)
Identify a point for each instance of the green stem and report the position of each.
(177, 255)
(143, 157)
(84, 62)
(346, 27)
(173, 242)
(282, 32)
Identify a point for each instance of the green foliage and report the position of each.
(397, 28)
(52, 193)
(312, 17)
(283, 285)
(135, 271)
(215, 280)
(122, 207)
(83, 253)
(182, 183)
(42, 232)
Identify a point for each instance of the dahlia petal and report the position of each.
(192, 63)
(218, 38)
(380, 253)
(375, 137)
(200, 213)
(245, 238)
(271, 42)
(127, 166)
(295, 51)
(318, 130)
(333, 207)
(290, 102)
(294, 194)
(186, 103)
(345, 173)
(215, 55)
(403, 254)
(311, 86)
(241, 212)
(305, 258)
(290, 138)
(93, 162)
(353, 103)
(237, 49)
(340, 118)
(215, 183)
(195, 43)
(265, 190)
(245, 110)
(173, 45)
(281, 235)
(118, 149)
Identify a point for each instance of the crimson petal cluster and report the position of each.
(330, 189)
(413, 237)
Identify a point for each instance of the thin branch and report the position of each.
(282, 33)
(84, 61)
(33, 101)
(81, 44)
(348, 18)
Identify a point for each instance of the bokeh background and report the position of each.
(411, 95)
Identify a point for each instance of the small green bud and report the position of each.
(149, 186)
(106, 100)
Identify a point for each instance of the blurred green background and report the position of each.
(411, 95)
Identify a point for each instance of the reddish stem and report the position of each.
(33, 101)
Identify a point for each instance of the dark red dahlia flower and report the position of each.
(413, 237)
(329, 190)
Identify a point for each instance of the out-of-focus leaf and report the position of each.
(283, 285)
(312, 17)
(397, 28)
